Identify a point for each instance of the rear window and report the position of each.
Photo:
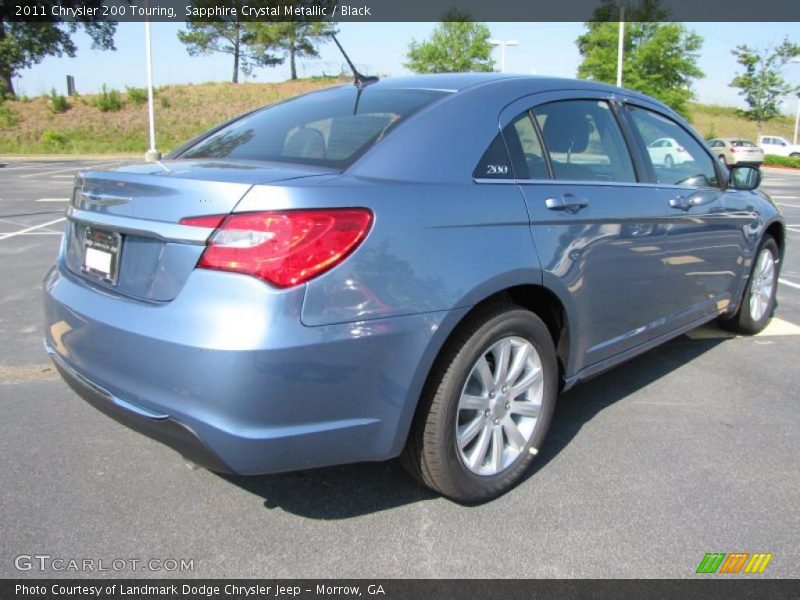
(742, 144)
(329, 129)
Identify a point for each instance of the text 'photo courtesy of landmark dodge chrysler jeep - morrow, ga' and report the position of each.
(411, 267)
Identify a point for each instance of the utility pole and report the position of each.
(152, 154)
(620, 43)
(503, 44)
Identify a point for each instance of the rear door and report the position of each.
(703, 259)
(599, 233)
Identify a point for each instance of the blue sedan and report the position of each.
(413, 267)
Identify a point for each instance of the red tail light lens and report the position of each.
(286, 248)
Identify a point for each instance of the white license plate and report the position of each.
(101, 253)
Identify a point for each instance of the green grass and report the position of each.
(182, 111)
(116, 123)
(712, 121)
(782, 161)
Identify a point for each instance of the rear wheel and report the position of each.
(487, 406)
(795, 155)
(668, 162)
(758, 303)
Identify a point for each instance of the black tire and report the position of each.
(431, 453)
(668, 162)
(794, 155)
(743, 320)
(723, 160)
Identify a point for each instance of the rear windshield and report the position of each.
(329, 129)
(742, 144)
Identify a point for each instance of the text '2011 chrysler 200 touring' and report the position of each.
(411, 267)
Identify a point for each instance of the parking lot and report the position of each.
(688, 449)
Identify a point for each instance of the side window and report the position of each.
(684, 162)
(584, 141)
(520, 140)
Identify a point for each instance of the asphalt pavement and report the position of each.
(688, 449)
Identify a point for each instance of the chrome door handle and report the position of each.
(567, 202)
(680, 202)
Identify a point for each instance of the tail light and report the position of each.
(285, 248)
(733, 149)
(681, 149)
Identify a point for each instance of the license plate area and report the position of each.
(101, 250)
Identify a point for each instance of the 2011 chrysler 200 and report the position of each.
(412, 267)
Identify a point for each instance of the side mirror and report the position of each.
(745, 177)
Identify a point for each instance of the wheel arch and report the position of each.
(534, 297)
(776, 230)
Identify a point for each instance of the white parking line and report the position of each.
(789, 205)
(793, 229)
(53, 200)
(793, 197)
(80, 168)
(791, 284)
(27, 229)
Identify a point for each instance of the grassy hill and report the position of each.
(36, 126)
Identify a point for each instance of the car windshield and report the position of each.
(742, 144)
(329, 129)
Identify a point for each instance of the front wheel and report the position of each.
(487, 406)
(758, 302)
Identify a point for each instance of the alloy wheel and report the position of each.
(763, 285)
(499, 406)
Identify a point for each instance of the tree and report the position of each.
(660, 59)
(761, 83)
(24, 44)
(295, 39)
(229, 35)
(457, 45)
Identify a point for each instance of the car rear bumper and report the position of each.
(228, 375)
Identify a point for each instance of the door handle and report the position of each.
(680, 202)
(567, 202)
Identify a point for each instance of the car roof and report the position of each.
(456, 82)
(737, 139)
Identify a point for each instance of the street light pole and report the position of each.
(620, 44)
(796, 120)
(503, 44)
(152, 154)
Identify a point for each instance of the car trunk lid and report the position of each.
(124, 232)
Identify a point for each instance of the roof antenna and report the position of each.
(360, 80)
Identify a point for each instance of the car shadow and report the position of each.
(353, 490)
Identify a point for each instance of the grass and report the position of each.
(713, 121)
(182, 111)
(115, 123)
(782, 161)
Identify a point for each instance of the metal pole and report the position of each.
(620, 43)
(151, 154)
(796, 120)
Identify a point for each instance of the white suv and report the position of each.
(779, 146)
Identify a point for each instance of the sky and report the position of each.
(544, 49)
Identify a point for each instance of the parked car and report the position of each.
(413, 267)
(736, 151)
(668, 152)
(772, 144)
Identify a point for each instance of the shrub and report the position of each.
(136, 95)
(8, 118)
(108, 100)
(57, 103)
(711, 132)
(165, 103)
(54, 139)
(782, 161)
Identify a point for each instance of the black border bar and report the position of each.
(386, 10)
(732, 587)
